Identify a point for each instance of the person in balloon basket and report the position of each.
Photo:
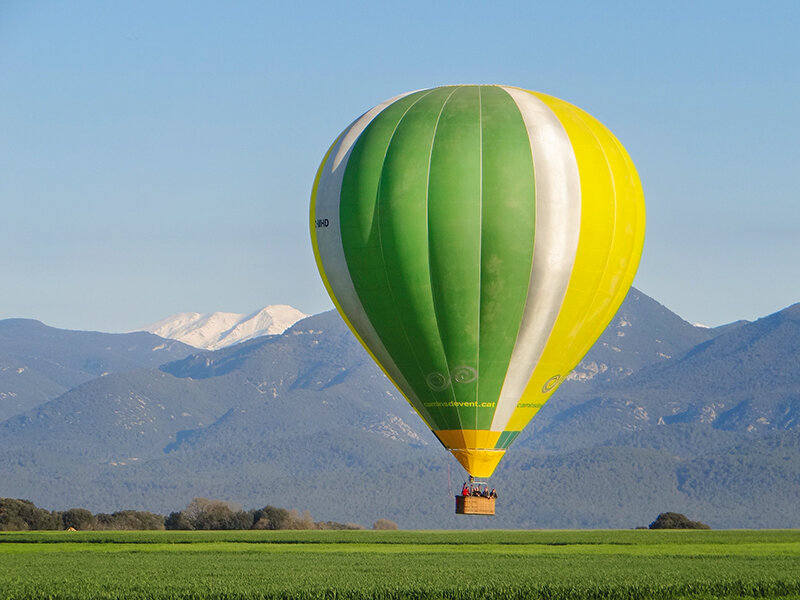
(465, 490)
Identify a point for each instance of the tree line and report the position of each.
(201, 513)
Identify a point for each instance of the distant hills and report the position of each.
(38, 363)
(213, 331)
(745, 379)
(661, 415)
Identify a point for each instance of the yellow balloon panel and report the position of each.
(609, 248)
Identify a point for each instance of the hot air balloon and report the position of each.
(477, 239)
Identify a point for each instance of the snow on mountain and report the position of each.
(212, 331)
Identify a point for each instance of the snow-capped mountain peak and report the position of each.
(212, 331)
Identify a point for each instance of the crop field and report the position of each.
(397, 565)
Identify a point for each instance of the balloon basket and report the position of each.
(474, 505)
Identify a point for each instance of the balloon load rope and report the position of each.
(449, 485)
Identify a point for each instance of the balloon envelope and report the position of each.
(477, 240)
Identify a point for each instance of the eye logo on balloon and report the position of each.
(551, 384)
(439, 382)
(464, 374)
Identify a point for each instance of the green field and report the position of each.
(397, 565)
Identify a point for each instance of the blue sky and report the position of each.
(157, 157)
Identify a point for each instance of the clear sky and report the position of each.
(157, 157)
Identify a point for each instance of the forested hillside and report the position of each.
(38, 363)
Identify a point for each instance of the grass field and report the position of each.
(347, 565)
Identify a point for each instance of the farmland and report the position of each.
(397, 565)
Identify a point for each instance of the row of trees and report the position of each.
(201, 513)
(17, 515)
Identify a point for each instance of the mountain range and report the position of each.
(212, 331)
(660, 416)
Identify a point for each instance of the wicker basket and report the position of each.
(474, 505)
